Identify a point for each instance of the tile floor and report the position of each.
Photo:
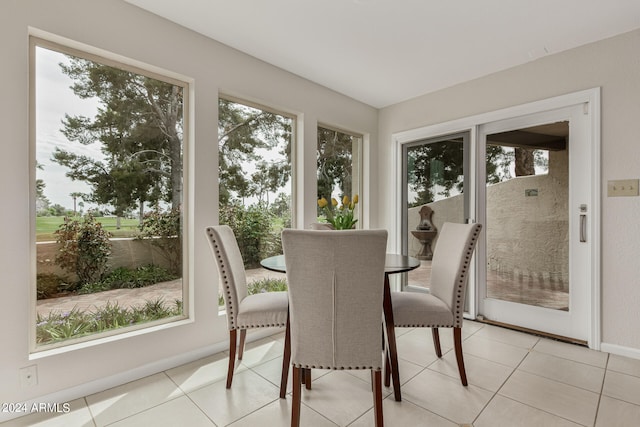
(515, 379)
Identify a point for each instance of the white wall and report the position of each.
(612, 64)
(123, 29)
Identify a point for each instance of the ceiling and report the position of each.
(382, 52)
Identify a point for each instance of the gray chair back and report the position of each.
(231, 269)
(336, 282)
(451, 263)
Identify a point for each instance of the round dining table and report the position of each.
(394, 263)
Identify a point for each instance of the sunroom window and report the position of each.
(108, 196)
(255, 181)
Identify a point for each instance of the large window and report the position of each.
(255, 145)
(108, 196)
(339, 163)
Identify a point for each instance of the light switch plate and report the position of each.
(622, 188)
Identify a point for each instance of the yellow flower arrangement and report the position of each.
(340, 217)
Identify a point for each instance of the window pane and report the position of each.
(109, 193)
(338, 167)
(255, 185)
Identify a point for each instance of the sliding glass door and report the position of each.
(435, 191)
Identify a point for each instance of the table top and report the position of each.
(394, 263)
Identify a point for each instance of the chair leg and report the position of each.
(391, 339)
(376, 379)
(387, 369)
(297, 391)
(457, 343)
(243, 336)
(232, 356)
(286, 360)
(436, 341)
(307, 378)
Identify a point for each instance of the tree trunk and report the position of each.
(525, 164)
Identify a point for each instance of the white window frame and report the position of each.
(50, 41)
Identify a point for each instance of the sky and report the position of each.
(54, 98)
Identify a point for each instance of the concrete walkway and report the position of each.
(168, 291)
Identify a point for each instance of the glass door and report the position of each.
(535, 211)
(435, 191)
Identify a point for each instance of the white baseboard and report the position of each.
(92, 387)
(633, 353)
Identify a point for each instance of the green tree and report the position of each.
(242, 132)
(335, 162)
(439, 167)
(139, 127)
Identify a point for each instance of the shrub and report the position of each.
(48, 284)
(126, 278)
(163, 231)
(84, 248)
(267, 285)
(252, 227)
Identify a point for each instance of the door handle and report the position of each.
(583, 228)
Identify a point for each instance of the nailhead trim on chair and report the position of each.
(338, 368)
(462, 280)
(223, 274)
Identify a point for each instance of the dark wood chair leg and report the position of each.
(457, 343)
(297, 391)
(232, 356)
(391, 339)
(307, 379)
(286, 360)
(436, 341)
(376, 379)
(243, 336)
(387, 369)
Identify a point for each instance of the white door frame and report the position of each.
(590, 98)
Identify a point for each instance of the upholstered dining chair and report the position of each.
(443, 306)
(269, 309)
(336, 282)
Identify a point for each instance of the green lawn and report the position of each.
(46, 225)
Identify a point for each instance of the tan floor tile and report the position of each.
(494, 351)
(403, 414)
(622, 387)
(572, 352)
(261, 351)
(616, 413)
(248, 393)
(417, 347)
(340, 397)
(278, 414)
(575, 404)
(203, 372)
(507, 336)
(503, 412)
(121, 402)
(480, 372)
(564, 370)
(177, 412)
(445, 396)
